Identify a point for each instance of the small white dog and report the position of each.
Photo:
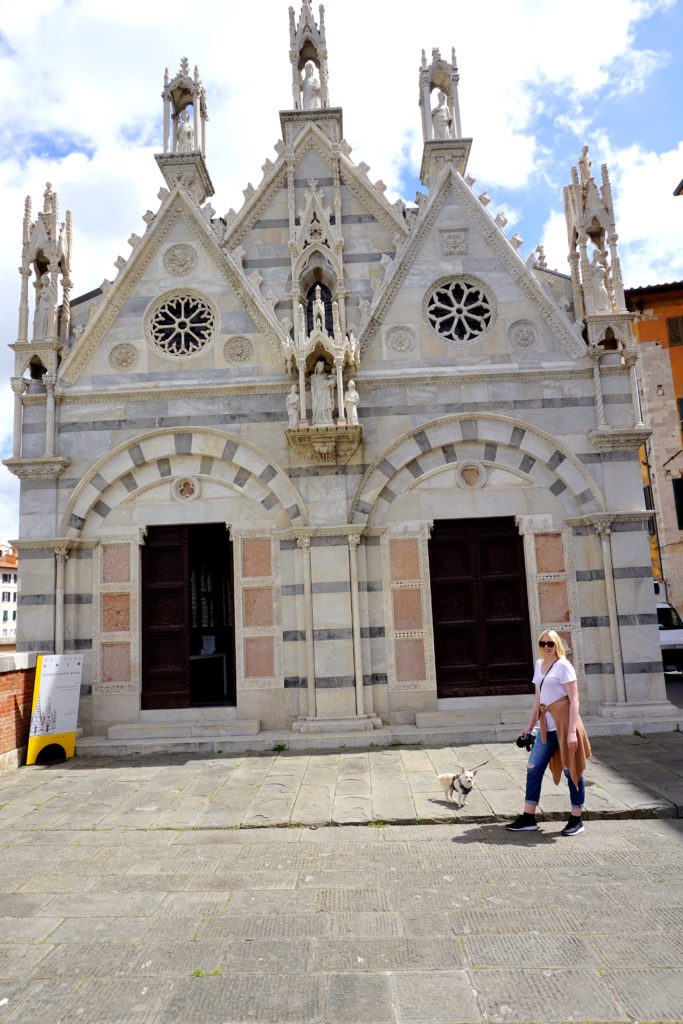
(458, 787)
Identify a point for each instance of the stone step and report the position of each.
(184, 730)
(462, 719)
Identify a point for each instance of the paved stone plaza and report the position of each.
(129, 894)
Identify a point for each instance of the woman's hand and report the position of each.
(572, 741)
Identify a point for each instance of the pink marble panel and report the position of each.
(410, 659)
(549, 553)
(405, 559)
(257, 606)
(256, 556)
(407, 609)
(115, 563)
(553, 602)
(259, 657)
(115, 613)
(115, 663)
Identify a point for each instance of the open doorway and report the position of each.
(188, 646)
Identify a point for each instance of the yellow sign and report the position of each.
(56, 693)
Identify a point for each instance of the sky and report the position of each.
(82, 79)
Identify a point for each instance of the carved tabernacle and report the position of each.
(325, 445)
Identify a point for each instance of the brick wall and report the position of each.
(17, 674)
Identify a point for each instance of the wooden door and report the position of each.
(479, 606)
(165, 619)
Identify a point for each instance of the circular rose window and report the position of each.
(458, 309)
(181, 325)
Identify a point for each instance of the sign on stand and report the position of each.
(56, 694)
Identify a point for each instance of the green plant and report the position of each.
(375, 824)
(637, 732)
(208, 974)
(279, 747)
(677, 729)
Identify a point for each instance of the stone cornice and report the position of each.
(53, 543)
(450, 180)
(45, 467)
(605, 518)
(613, 439)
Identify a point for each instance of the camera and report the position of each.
(526, 741)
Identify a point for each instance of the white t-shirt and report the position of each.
(560, 673)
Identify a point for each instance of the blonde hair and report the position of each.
(559, 646)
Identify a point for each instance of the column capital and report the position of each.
(304, 543)
(61, 553)
(354, 540)
(18, 385)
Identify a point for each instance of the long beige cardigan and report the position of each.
(573, 760)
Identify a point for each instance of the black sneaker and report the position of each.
(524, 823)
(573, 826)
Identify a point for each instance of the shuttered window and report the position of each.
(674, 326)
(678, 498)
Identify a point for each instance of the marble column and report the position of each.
(61, 555)
(354, 541)
(305, 544)
(50, 379)
(18, 387)
(604, 531)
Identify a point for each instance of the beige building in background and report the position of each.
(328, 464)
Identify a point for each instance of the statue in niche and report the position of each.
(292, 405)
(351, 400)
(442, 122)
(185, 139)
(42, 307)
(584, 164)
(310, 88)
(322, 386)
(600, 293)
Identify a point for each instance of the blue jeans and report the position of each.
(539, 759)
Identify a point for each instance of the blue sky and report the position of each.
(81, 82)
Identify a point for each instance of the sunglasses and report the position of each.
(546, 643)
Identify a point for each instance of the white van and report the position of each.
(670, 637)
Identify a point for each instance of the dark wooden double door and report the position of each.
(187, 617)
(479, 608)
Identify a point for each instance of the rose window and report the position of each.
(459, 310)
(182, 325)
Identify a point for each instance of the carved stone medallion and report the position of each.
(180, 259)
(400, 340)
(123, 357)
(453, 241)
(238, 350)
(471, 475)
(186, 488)
(523, 333)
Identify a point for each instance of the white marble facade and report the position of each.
(459, 381)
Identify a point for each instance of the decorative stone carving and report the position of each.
(40, 320)
(401, 340)
(325, 445)
(322, 386)
(523, 333)
(180, 260)
(310, 88)
(292, 404)
(351, 400)
(471, 475)
(238, 350)
(458, 309)
(181, 324)
(123, 357)
(186, 488)
(442, 120)
(185, 136)
(453, 242)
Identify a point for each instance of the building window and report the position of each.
(5, 577)
(6, 595)
(182, 324)
(14, 616)
(678, 498)
(674, 325)
(5, 616)
(326, 298)
(459, 310)
(14, 597)
(647, 492)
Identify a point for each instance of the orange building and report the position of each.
(658, 326)
(8, 594)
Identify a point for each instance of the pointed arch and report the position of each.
(150, 458)
(499, 441)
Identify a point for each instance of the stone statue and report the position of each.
(292, 404)
(321, 396)
(185, 139)
(600, 293)
(310, 88)
(442, 122)
(42, 307)
(584, 165)
(351, 400)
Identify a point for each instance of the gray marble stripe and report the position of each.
(469, 429)
(288, 545)
(329, 587)
(598, 668)
(291, 589)
(99, 482)
(76, 522)
(623, 399)
(556, 459)
(558, 487)
(594, 621)
(373, 541)
(229, 450)
(78, 599)
(584, 497)
(267, 474)
(206, 465)
(372, 632)
(370, 586)
(633, 572)
(34, 599)
(364, 508)
(449, 452)
(490, 451)
(295, 683)
(164, 467)
(645, 619)
(293, 636)
(415, 469)
(129, 482)
(388, 495)
(386, 467)
(517, 436)
(366, 257)
(183, 443)
(527, 464)
(345, 633)
(294, 512)
(589, 575)
(135, 451)
(101, 508)
(333, 682)
(267, 261)
(271, 222)
(36, 555)
(635, 668)
(241, 476)
(270, 500)
(376, 679)
(422, 441)
(47, 646)
(328, 542)
(639, 526)
(581, 531)
(296, 472)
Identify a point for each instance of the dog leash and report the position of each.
(478, 766)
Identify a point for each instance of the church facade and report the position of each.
(330, 463)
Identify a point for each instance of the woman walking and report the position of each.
(562, 742)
